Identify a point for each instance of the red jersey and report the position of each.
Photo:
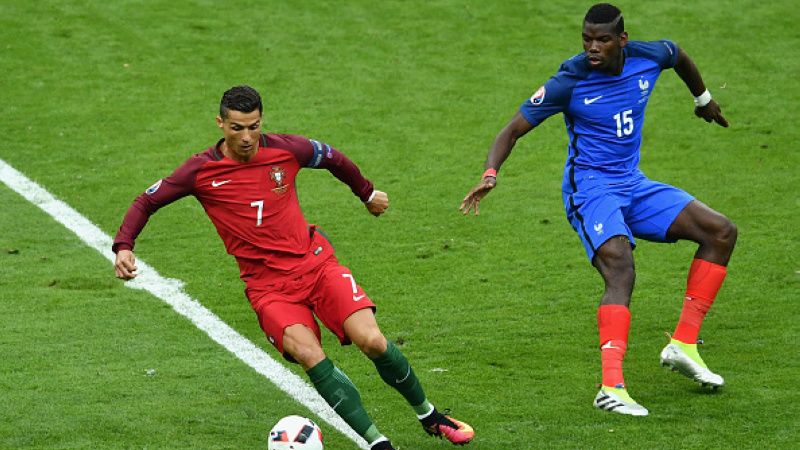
(253, 205)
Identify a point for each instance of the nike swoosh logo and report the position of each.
(589, 101)
(338, 403)
(216, 183)
(358, 297)
(608, 345)
(405, 377)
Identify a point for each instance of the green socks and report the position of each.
(340, 393)
(396, 371)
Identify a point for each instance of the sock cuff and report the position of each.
(380, 439)
(705, 279)
(698, 264)
(615, 310)
(322, 370)
(430, 411)
(389, 355)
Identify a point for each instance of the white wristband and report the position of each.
(371, 198)
(702, 99)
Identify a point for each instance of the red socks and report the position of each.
(705, 279)
(613, 322)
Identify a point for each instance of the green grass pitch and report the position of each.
(496, 313)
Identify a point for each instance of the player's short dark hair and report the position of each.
(605, 13)
(240, 98)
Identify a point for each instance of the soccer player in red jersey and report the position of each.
(246, 184)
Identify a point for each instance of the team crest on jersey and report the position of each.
(644, 85)
(279, 177)
(152, 189)
(598, 228)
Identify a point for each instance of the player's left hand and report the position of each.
(379, 203)
(711, 112)
(125, 265)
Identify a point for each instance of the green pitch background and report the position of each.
(496, 313)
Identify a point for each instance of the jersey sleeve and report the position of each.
(163, 192)
(551, 98)
(663, 52)
(319, 155)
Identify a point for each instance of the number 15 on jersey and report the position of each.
(624, 123)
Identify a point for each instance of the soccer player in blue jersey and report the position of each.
(603, 93)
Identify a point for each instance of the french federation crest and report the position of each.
(644, 85)
(277, 175)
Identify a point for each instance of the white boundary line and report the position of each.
(171, 292)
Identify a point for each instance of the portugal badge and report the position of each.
(277, 175)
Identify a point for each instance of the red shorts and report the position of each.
(329, 291)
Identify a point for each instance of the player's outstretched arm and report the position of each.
(125, 265)
(705, 107)
(378, 203)
(503, 144)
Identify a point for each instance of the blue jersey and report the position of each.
(604, 114)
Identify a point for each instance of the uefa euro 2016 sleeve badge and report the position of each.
(277, 175)
(152, 189)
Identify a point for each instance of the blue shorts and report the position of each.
(640, 208)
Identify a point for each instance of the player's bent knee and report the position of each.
(306, 355)
(615, 256)
(727, 234)
(615, 264)
(372, 344)
(302, 345)
(720, 234)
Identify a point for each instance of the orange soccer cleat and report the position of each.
(438, 424)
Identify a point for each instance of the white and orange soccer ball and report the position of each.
(295, 433)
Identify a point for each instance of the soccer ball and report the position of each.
(295, 433)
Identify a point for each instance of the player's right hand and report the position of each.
(125, 265)
(710, 112)
(477, 193)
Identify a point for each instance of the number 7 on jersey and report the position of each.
(260, 205)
